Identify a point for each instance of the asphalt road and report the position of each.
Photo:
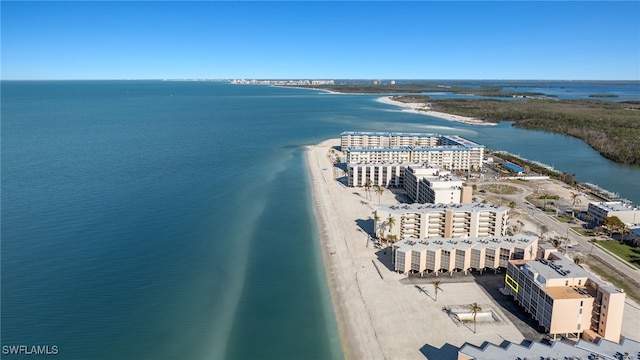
(582, 244)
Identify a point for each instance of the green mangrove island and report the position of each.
(611, 128)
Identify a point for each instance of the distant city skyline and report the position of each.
(500, 40)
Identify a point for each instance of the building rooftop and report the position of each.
(602, 349)
(491, 242)
(615, 206)
(567, 292)
(543, 270)
(375, 133)
(407, 148)
(473, 207)
(460, 141)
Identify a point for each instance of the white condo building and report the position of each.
(449, 151)
(625, 212)
(423, 221)
(433, 184)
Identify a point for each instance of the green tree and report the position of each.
(613, 224)
(589, 218)
(436, 287)
(475, 309)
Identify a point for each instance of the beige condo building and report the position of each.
(423, 221)
(455, 255)
(566, 299)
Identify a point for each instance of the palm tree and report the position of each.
(391, 239)
(379, 190)
(475, 309)
(390, 222)
(512, 205)
(436, 287)
(367, 188)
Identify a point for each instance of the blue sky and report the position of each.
(337, 40)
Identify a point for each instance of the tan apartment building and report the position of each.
(566, 299)
(456, 255)
(423, 221)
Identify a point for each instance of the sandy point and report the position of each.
(424, 109)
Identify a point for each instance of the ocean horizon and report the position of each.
(149, 219)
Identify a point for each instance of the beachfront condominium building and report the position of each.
(628, 213)
(433, 184)
(449, 151)
(455, 255)
(566, 299)
(423, 221)
(387, 175)
(423, 183)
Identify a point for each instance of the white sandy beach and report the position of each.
(379, 317)
(421, 108)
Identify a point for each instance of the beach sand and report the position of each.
(379, 317)
(421, 108)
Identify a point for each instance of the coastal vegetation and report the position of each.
(611, 128)
(492, 91)
(603, 96)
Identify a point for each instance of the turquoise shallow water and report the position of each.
(164, 220)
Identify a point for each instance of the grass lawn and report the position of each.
(582, 231)
(614, 280)
(628, 253)
(500, 189)
(562, 219)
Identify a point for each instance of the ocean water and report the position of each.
(166, 220)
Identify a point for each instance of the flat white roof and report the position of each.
(614, 206)
(489, 242)
(423, 208)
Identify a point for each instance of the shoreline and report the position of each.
(422, 109)
(339, 288)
